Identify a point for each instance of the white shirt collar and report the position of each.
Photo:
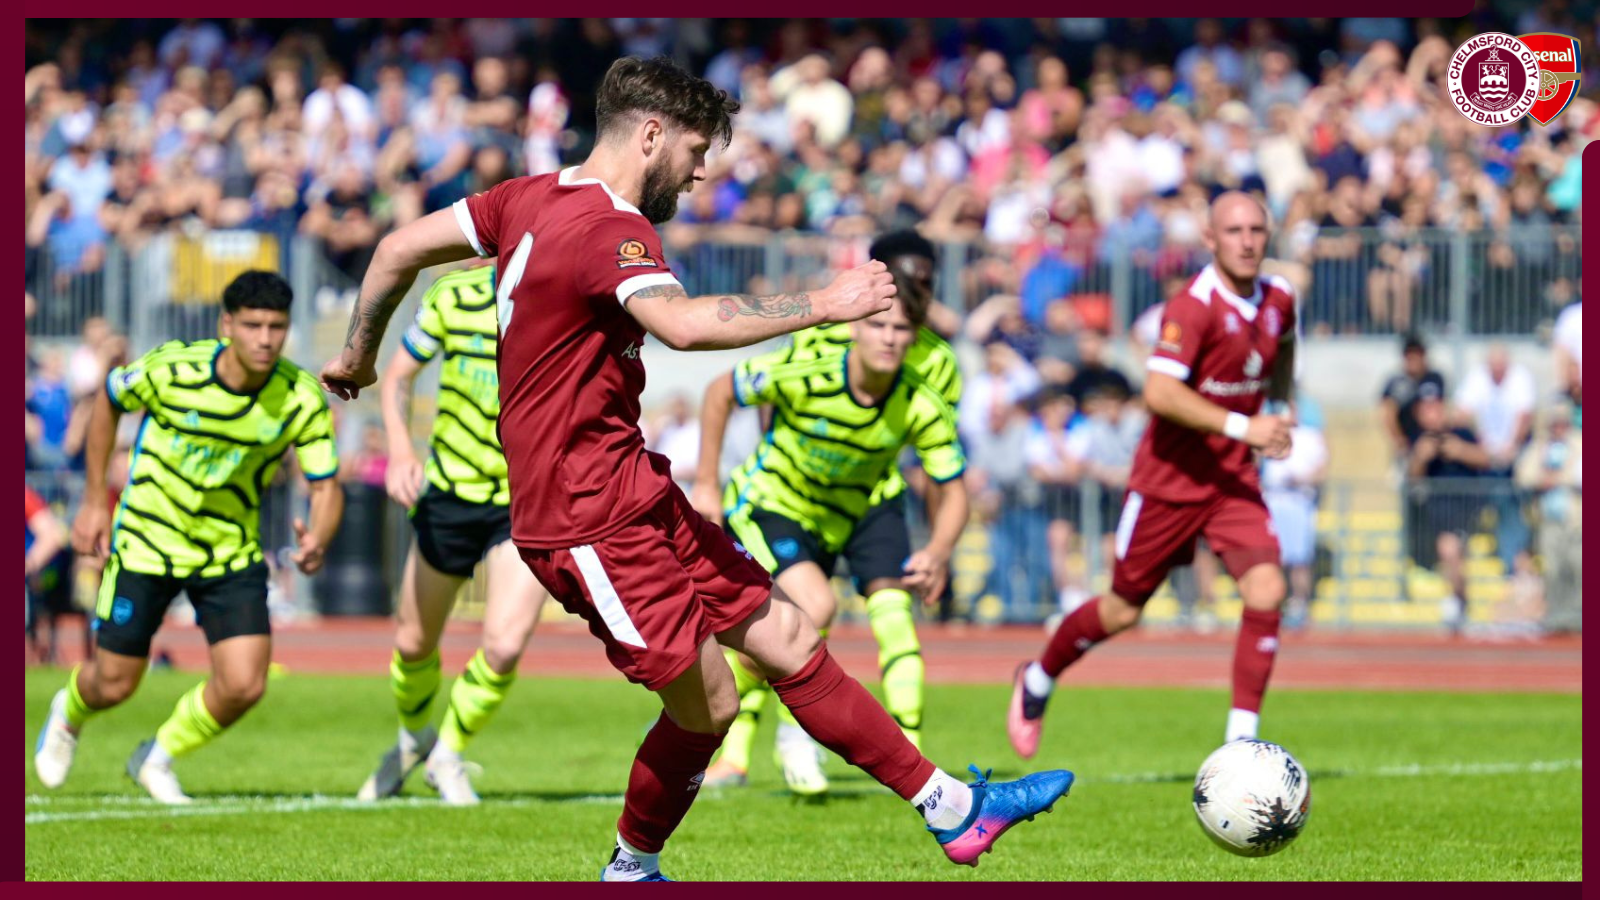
(568, 178)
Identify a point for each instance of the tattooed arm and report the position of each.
(432, 240)
(717, 322)
(404, 476)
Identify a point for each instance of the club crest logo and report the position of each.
(1493, 79)
(1560, 64)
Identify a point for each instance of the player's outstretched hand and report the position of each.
(858, 293)
(91, 531)
(345, 377)
(307, 557)
(707, 501)
(403, 480)
(1269, 434)
(926, 574)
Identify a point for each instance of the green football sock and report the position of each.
(899, 658)
(414, 685)
(753, 694)
(473, 700)
(191, 725)
(77, 711)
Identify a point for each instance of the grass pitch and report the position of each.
(1404, 786)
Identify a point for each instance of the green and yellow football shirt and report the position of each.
(457, 319)
(204, 456)
(827, 459)
(930, 356)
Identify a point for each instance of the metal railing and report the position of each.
(1352, 281)
(1375, 558)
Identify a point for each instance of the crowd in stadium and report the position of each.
(1038, 141)
(1039, 138)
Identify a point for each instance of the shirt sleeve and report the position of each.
(481, 215)
(426, 334)
(753, 384)
(314, 447)
(623, 256)
(131, 387)
(939, 447)
(1183, 327)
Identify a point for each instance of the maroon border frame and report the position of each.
(1053, 891)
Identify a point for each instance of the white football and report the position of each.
(1252, 798)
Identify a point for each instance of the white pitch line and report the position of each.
(133, 807)
(1408, 771)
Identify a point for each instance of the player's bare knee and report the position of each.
(411, 643)
(108, 687)
(241, 691)
(723, 708)
(502, 654)
(1117, 614)
(1264, 591)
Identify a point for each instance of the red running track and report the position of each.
(954, 654)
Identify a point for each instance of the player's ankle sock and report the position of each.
(841, 715)
(629, 863)
(899, 656)
(1242, 725)
(663, 783)
(1253, 655)
(1037, 681)
(414, 685)
(190, 726)
(474, 698)
(1073, 638)
(741, 737)
(944, 801)
(75, 710)
(159, 755)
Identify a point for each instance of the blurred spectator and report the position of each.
(194, 42)
(1053, 465)
(1210, 48)
(370, 463)
(1012, 502)
(1290, 487)
(810, 94)
(675, 434)
(1568, 353)
(1497, 399)
(546, 125)
(1397, 406)
(989, 396)
(336, 97)
(1094, 373)
(1552, 468)
(47, 413)
(1443, 503)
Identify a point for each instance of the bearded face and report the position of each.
(659, 195)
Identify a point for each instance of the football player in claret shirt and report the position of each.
(1226, 345)
(219, 415)
(459, 501)
(824, 483)
(581, 280)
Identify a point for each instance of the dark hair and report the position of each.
(1414, 344)
(257, 289)
(903, 243)
(906, 243)
(634, 87)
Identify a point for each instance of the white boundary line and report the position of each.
(124, 806)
